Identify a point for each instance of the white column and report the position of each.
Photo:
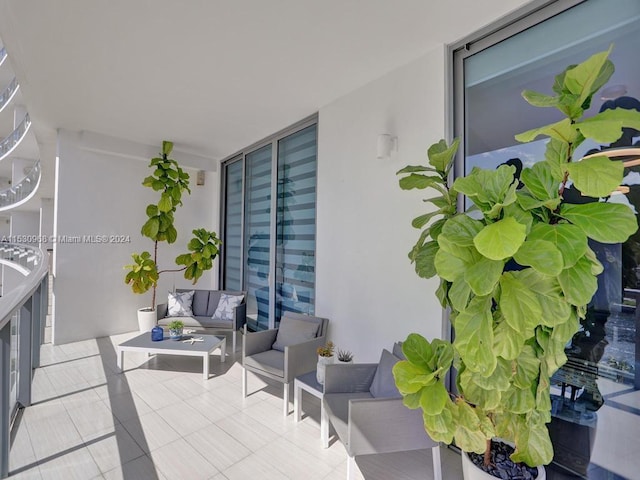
(46, 223)
(18, 115)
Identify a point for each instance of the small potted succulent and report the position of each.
(345, 356)
(325, 357)
(175, 329)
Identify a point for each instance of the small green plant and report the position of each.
(516, 276)
(171, 181)
(326, 351)
(345, 355)
(176, 325)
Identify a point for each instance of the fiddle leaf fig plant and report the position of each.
(516, 274)
(171, 181)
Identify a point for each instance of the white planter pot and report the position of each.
(471, 472)
(147, 319)
(322, 363)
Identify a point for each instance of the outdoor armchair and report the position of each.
(283, 353)
(367, 413)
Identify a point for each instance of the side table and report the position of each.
(309, 383)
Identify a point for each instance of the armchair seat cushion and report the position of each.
(271, 361)
(337, 407)
(198, 322)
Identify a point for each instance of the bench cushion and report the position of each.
(198, 322)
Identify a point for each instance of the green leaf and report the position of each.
(562, 130)
(539, 99)
(578, 283)
(556, 155)
(166, 203)
(449, 266)
(475, 394)
(569, 239)
(440, 427)
(152, 210)
(441, 155)
(459, 294)
(405, 374)
(489, 190)
(507, 342)
(500, 240)
(533, 445)
(580, 80)
(150, 228)
(555, 309)
(520, 306)
(172, 234)
(603, 222)
(415, 169)
(541, 255)
(468, 434)
(519, 214)
(520, 401)
(606, 126)
(418, 351)
(474, 336)
(541, 183)
(596, 176)
(167, 147)
(415, 180)
(483, 275)
(527, 368)
(460, 230)
(422, 220)
(424, 258)
(434, 398)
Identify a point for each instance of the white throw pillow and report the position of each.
(179, 304)
(224, 310)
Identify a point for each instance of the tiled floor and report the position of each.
(159, 420)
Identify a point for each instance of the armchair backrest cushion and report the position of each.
(383, 384)
(397, 351)
(214, 300)
(295, 330)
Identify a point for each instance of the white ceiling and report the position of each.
(213, 75)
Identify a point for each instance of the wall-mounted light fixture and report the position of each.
(200, 178)
(387, 143)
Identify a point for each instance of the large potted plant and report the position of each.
(171, 182)
(516, 274)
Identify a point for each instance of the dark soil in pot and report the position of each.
(501, 465)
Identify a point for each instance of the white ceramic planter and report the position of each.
(147, 319)
(471, 472)
(320, 369)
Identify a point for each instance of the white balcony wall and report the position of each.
(46, 223)
(365, 283)
(23, 228)
(99, 192)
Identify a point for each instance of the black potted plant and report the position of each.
(516, 275)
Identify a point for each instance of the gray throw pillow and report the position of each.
(226, 305)
(292, 331)
(397, 351)
(383, 385)
(179, 304)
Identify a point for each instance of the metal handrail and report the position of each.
(8, 93)
(23, 191)
(14, 138)
(3, 55)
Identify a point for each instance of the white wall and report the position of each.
(100, 193)
(46, 223)
(24, 228)
(365, 283)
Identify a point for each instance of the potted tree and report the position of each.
(516, 275)
(171, 182)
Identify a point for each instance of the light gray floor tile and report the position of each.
(292, 460)
(140, 468)
(255, 467)
(157, 396)
(179, 460)
(150, 431)
(92, 419)
(110, 451)
(126, 406)
(248, 431)
(77, 464)
(217, 446)
(183, 418)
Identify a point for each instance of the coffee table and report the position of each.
(142, 343)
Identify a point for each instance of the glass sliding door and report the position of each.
(296, 223)
(269, 225)
(257, 236)
(232, 241)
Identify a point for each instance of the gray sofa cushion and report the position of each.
(293, 330)
(214, 299)
(200, 303)
(383, 384)
(397, 351)
(198, 322)
(271, 361)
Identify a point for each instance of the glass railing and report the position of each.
(8, 93)
(14, 138)
(22, 319)
(22, 191)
